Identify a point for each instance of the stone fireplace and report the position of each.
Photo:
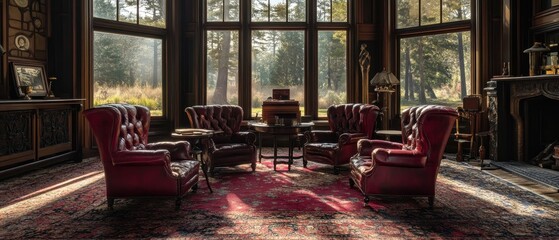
(523, 116)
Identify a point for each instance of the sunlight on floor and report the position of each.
(15, 209)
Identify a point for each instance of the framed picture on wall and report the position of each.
(29, 75)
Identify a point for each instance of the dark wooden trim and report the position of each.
(546, 20)
(434, 29)
(367, 32)
(105, 25)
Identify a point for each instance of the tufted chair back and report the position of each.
(134, 127)
(350, 118)
(225, 118)
(133, 167)
(231, 147)
(426, 129)
(348, 124)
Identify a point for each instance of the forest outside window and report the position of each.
(280, 43)
(435, 65)
(127, 62)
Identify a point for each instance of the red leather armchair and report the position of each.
(348, 123)
(230, 148)
(409, 168)
(133, 167)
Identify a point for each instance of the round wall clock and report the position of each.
(21, 3)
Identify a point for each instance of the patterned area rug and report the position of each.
(67, 201)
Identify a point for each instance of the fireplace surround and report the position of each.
(523, 116)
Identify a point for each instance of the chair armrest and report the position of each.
(366, 146)
(324, 136)
(141, 158)
(399, 158)
(179, 150)
(350, 138)
(244, 137)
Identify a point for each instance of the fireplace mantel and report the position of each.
(506, 122)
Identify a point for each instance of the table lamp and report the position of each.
(385, 81)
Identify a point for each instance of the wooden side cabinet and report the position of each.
(37, 133)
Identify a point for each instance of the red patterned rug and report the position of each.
(68, 201)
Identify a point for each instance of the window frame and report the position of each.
(138, 30)
(245, 26)
(431, 30)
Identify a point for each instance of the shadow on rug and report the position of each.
(68, 201)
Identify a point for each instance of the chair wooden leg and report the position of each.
(178, 203)
(253, 166)
(431, 201)
(459, 156)
(195, 188)
(351, 183)
(304, 163)
(110, 203)
(366, 201)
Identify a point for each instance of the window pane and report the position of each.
(332, 71)
(260, 10)
(128, 11)
(278, 61)
(430, 12)
(128, 69)
(232, 8)
(216, 8)
(222, 67)
(435, 69)
(407, 13)
(278, 11)
(104, 9)
(456, 10)
(152, 13)
(297, 11)
(339, 11)
(323, 11)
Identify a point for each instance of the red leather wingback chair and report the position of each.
(133, 167)
(348, 123)
(409, 168)
(230, 148)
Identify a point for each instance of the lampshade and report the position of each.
(537, 47)
(384, 81)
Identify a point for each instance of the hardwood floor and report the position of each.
(545, 191)
(538, 188)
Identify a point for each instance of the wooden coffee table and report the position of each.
(277, 130)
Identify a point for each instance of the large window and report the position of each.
(128, 62)
(282, 43)
(435, 51)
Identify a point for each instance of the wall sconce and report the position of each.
(535, 57)
(385, 81)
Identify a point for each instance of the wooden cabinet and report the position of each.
(36, 133)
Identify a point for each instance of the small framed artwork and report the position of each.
(29, 75)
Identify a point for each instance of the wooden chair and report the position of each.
(466, 126)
